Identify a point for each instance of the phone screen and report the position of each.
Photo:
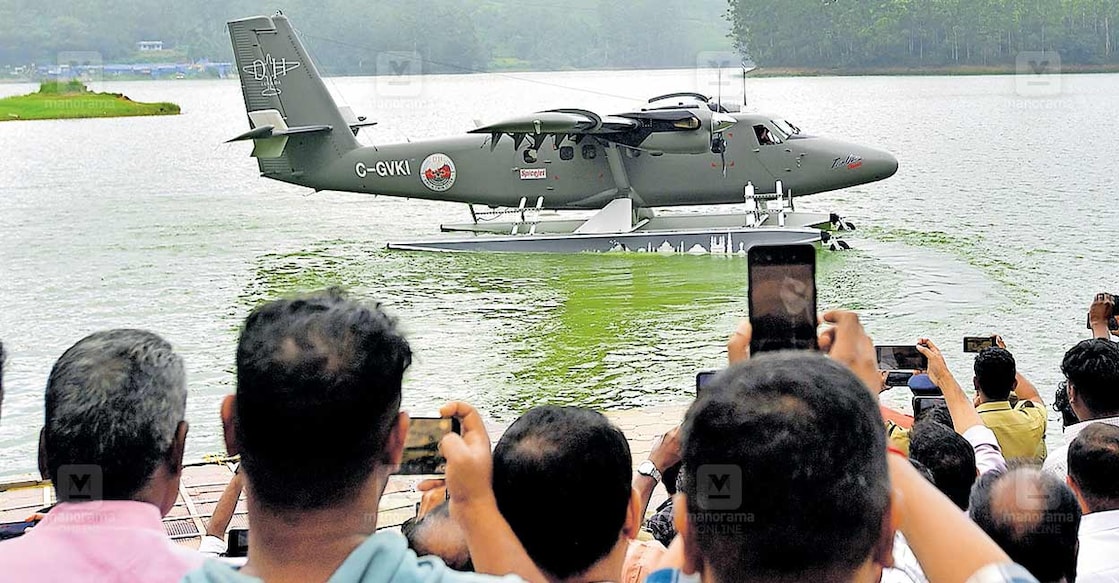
(977, 343)
(421, 446)
(900, 358)
(920, 404)
(783, 298)
(701, 379)
(237, 544)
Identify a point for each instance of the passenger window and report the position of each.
(530, 156)
(765, 137)
(567, 153)
(589, 152)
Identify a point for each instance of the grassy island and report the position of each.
(72, 99)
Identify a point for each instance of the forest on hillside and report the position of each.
(853, 34)
(486, 35)
(347, 35)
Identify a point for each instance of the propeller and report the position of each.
(720, 123)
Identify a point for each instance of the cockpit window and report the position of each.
(766, 137)
(786, 127)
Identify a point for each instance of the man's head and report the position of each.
(1033, 516)
(995, 373)
(786, 476)
(949, 457)
(936, 414)
(317, 409)
(578, 462)
(1092, 370)
(1093, 467)
(437, 534)
(116, 403)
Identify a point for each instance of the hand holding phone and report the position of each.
(782, 297)
(421, 446)
(900, 358)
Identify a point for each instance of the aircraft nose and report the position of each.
(880, 165)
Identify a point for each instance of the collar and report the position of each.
(994, 406)
(105, 513)
(1073, 430)
(1097, 522)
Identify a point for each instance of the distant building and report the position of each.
(149, 45)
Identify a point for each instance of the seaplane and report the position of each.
(622, 174)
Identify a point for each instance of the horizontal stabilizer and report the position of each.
(270, 133)
(265, 132)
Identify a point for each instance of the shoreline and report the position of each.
(53, 101)
(760, 72)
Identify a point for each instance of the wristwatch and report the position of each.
(648, 468)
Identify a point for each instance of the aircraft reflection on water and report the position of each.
(680, 149)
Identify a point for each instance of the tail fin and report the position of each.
(296, 127)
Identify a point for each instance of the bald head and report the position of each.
(1093, 466)
(1033, 516)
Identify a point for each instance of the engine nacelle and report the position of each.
(693, 142)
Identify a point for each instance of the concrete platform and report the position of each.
(203, 482)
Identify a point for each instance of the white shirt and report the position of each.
(1099, 543)
(1057, 462)
(988, 454)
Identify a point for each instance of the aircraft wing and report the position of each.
(560, 121)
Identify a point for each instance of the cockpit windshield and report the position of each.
(786, 127)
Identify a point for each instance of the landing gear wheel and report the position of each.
(841, 224)
(833, 243)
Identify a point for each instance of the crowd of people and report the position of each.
(786, 468)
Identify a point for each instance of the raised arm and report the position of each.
(226, 506)
(494, 548)
(964, 415)
(1102, 310)
(1025, 390)
(665, 454)
(949, 546)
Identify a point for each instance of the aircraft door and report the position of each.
(776, 152)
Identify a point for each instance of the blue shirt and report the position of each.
(383, 557)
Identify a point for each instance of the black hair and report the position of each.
(580, 463)
(1093, 465)
(995, 372)
(1092, 368)
(925, 472)
(318, 391)
(785, 463)
(1033, 516)
(1062, 405)
(438, 522)
(113, 402)
(938, 413)
(949, 457)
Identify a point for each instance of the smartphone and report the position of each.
(782, 297)
(237, 543)
(901, 358)
(920, 404)
(898, 378)
(421, 446)
(977, 343)
(701, 379)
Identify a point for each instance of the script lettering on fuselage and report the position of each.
(850, 162)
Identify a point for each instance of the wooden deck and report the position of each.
(204, 481)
